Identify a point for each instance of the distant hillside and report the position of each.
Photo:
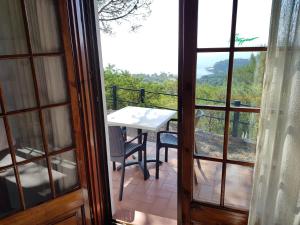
(218, 72)
(156, 77)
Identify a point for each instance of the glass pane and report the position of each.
(66, 165)
(58, 127)
(17, 84)
(214, 23)
(207, 182)
(44, 25)
(34, 179)
(12, 33)
(238, 186)
(209, 133)
(5, 157)
(51, 77)
(26, 134)
(212, 70)
(247, 81)
(253, 21)
(243, 133)
(9, 194)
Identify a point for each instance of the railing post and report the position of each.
(142, 95)
(236, 119)
(114, 97)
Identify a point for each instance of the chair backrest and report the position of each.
(198, 115)
(116, 141)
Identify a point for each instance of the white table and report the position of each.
(141, 118)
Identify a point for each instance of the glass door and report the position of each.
(222, 67)
(41, 154)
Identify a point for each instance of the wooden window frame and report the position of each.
(194, 210)
(79, 24)
(72, 103)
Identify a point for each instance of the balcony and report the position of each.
(156, 200)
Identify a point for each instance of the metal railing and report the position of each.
(141, 101)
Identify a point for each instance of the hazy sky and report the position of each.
(154, 47)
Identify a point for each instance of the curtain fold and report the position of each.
(276, 190)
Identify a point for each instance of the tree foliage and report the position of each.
(246, 88)
(118, 11)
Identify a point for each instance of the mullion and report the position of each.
(18, 56)
(12, 151)
(35, 109)
(236, 162)
(236, 49)
(41, 119)
(228, 98)
(231, 109)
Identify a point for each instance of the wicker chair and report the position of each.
(120, 150)
(169, 139)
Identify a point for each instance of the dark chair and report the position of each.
(120, 150)
(169, 139)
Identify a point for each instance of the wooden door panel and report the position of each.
(52, 212)
(45, 179)
(214, 216)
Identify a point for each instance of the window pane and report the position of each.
(248, 73)
(9, 195)
(12, 33)
(26, 134)
(207, 183)
(212, 70)
(44, 25)
(17, 84)
(65, 164)
(58, 127)
(247, 81)
(209, 133)
(5, 157)
(35, 182)
(214, 31)
(243, 133)
(238, 186)
(253, 21)
(51, 77)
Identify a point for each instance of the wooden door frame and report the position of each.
(89, 62)
(83, 32)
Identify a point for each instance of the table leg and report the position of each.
(139, 132)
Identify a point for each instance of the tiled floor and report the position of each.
(159, 197)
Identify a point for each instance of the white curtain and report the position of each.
(276, 191)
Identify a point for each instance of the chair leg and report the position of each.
(166, 154)
(114, 166)
(122, 182)
(157, 162)
(145, 164)
(195, 177)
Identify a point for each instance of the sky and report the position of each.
(153, 48)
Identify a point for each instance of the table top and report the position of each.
(140, 118)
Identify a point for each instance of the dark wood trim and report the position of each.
(236, 162)
(230, 108)
(34, 109)
(236, 49)
(20, 56)
(187, 79)
(12, 151)
(37, 97)
(46, 212)
(228, 98)
(89, 83)
(212, 215)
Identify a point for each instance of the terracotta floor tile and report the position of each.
(148, 202)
